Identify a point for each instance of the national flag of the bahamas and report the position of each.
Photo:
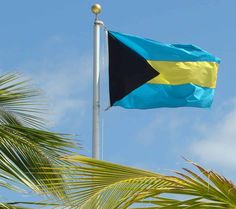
(147, 74)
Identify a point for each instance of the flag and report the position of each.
(147, 74)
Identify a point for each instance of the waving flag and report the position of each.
(147, 74)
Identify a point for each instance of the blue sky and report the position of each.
(51, 42)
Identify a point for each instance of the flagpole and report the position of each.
(96, 9)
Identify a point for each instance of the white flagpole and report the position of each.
(96, 9)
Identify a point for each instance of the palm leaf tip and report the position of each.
(20, 102)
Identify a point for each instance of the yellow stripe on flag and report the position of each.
(174, 73)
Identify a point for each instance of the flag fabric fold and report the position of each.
(147, 74)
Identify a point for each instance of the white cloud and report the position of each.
(168, 124)
(65, 82)
(217, 146)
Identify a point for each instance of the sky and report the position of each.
(51, 42)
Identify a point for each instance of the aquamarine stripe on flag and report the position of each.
(154, 50)
(153, 96)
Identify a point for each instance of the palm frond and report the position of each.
(91, 183)
(24, 148)
(23, 152)
(208, 190)
(20, 102)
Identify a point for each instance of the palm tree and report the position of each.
(25, 143)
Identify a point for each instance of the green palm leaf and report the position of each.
(91, 183)
(21, 157)
(24, 148)
(20, 102)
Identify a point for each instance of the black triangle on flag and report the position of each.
(128, 70)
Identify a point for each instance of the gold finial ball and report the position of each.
(96, 8)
